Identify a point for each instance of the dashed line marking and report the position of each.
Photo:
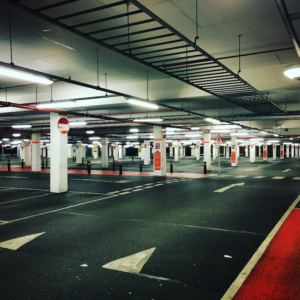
(24, 199)
(124, 193)
(149, 187)
(296, 178)
(278, 177)
(158, 184)
(12, 177)
(137, 190)
(259, 177)
(241, 176)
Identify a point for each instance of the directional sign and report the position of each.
(219, 140)
(63, 125)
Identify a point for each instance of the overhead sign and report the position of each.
(63, 125)
(219, 140)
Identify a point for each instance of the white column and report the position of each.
(110, 150)
(293, 151)
(288, 150)
(181, 151)
(142, 151)
(104, 153)
(297, 151)
(207, 150)
(246, 150)
(28, 153)
(234, 156)
(159, 152)
(59, 163)
(171, 150)
(259, 150)
(265, 151)
(147, 155)
(95, 150)
(124, 151)
(281, 151)
(184, 151)
(120, 151)
(252, 151)
(84, 151)
(197, 151)
(73, 150)
(227, 150)
(176, 148)
(78, 152)
(274, 151)
(22, 152)
(116, 152)
(36, 152)
(69, 151)
(214, 151)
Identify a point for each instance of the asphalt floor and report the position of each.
(202, 238)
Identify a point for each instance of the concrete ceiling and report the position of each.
(42, 46)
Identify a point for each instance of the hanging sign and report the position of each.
(63, 125)
(219, 140)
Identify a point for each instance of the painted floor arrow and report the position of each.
(229, 187)
(134, 263)
(15, 244)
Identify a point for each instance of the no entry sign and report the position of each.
(63, 125)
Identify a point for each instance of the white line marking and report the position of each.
(158, 184)
(24, 199)
(296, 178)
(148, 183)
(122, 181)
(127, 189)
(241, 176)
(235, 286)
(137, 190)
(12, 177)
(15, 244)
(287, 170)
(229, 187)
(28, 189)
(124, 193)
(132, 263)
(149, 187)
(259, 177)
(2, 222)
(278, 177)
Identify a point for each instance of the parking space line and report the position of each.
(23, 199)
(278, 177)
(296, 178)
(259, 177)
(137, 190)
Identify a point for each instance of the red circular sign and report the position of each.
(2, 146)
(63, 125)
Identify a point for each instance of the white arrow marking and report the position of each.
(132, 263)
(287, 170)
(229, 187)
(15, 244)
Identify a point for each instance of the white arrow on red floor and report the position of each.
(229, 187)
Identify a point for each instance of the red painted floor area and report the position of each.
(98, 172)
(277, 274)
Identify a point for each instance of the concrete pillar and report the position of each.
(197, 151)
(181, 151)
(237, 151)
(69, 151)
(147, 155)
(227, 150)
(36, 152)
(297, 151)
(246, 150)
(274, 151)
(27, 153)
(176, 152)
(293, 151)
(281, 151)
(116, 151)
(73, 150)
(78, 152)
(104, 153)
(265, 151)
(184, 151)
(234, 156)
(214, 151)
(120, 151)
(124, 151)
(207, 150)
(159, 152)
(287, 150)
(140, 152)
(58, 165)
(95, 150)
(171, 151)
(84, 151)
(252, 151)
(22, 151)
(259, 150)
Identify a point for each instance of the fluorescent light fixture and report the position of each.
(22, 126)
(77, 123)
(211, 120)
(193, 135)
(16, 142)
(291, 139)
(94, 138)
(5, 139)
(142, 103)
(263, 132)
(90, 131)
(239, 133)
(276, 134)
(257, 139)
(195, 128)
(275, 141)
(24, 76)
(134, 130)
(16, 134)
(292, 71)
(148, 120)
(58, 104)
(26, 140)
(219, 130)
(132, 137)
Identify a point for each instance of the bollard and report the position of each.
(171, 167)
(8, 165)
(82, 161)
(205, 167)
(120, 169)
(114, 166)
(141, 166)
(22, 163)
(88, 167)
(43, 164)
